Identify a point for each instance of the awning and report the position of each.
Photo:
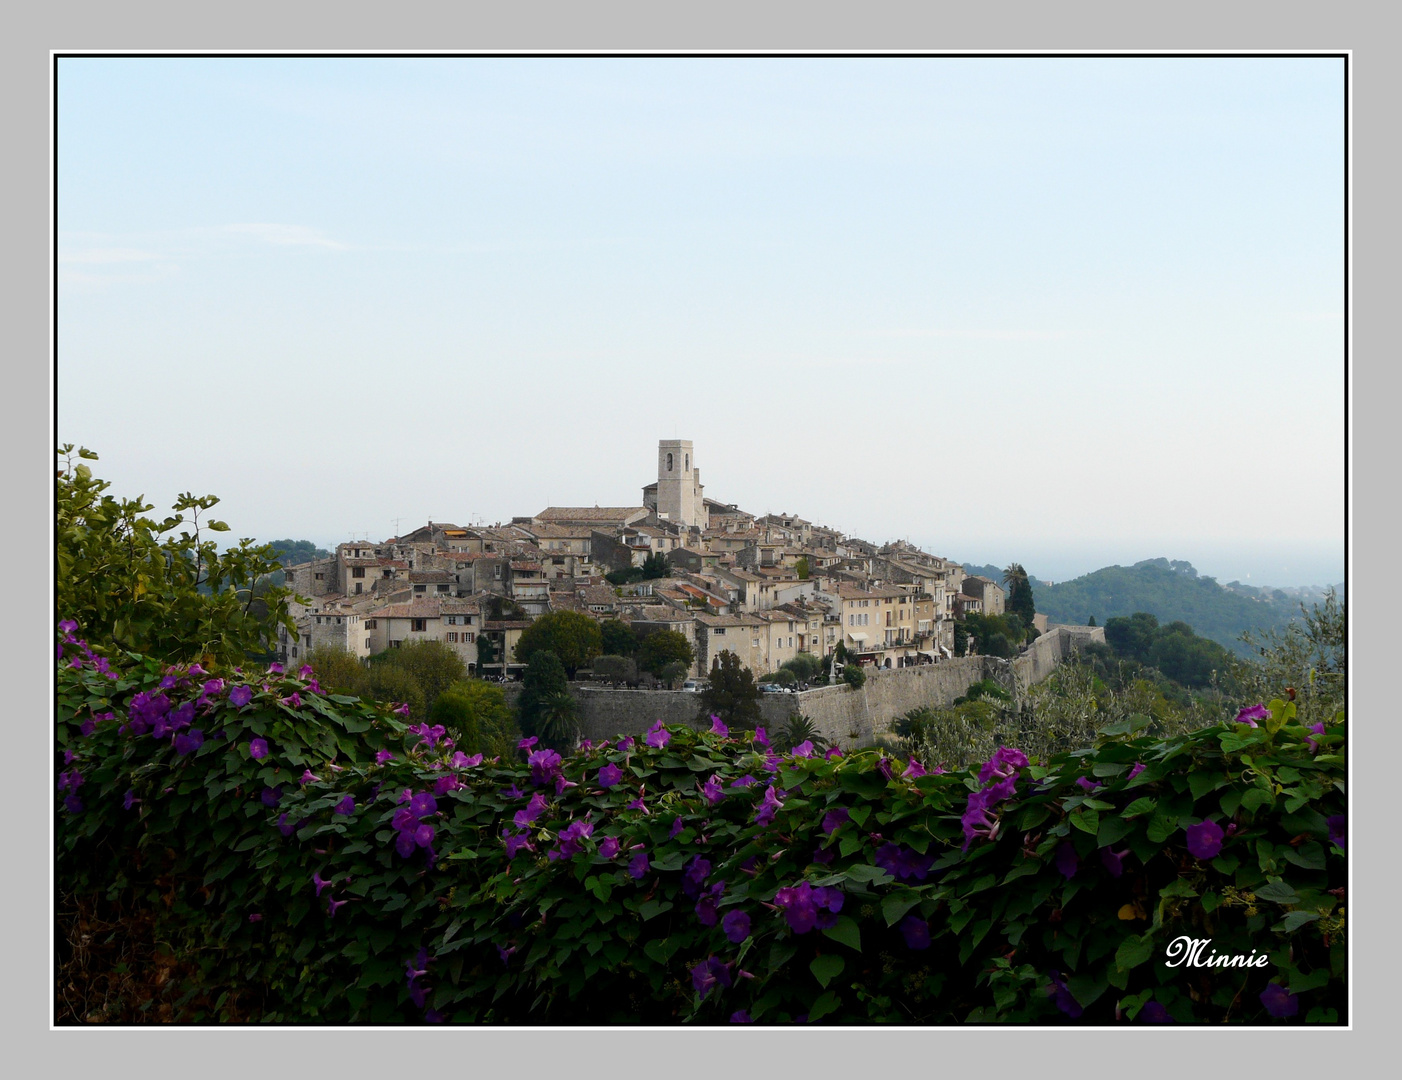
(857, 637)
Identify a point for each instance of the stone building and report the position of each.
(676, 494)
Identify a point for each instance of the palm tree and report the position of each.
(1014, 576)
(557, 721)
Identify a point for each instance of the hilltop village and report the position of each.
(765, 588)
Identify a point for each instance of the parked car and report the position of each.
(693, 686)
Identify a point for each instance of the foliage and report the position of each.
(655, 566)
(731, 692)
(538, 706)
(615, 669)
(1175, 649)
(617, 638)
(662, 647)
(296, 552)
(805, 666)
(136, 583)
(1020, 601)
(487, 651)
(338, 671)
(574, 638)
(854, 676)
(1309, 656)
(994, 635)
(390, 682)
(797, 730)
(477, 718)
(844, 889)
(1172, 591)
(626, 575)
(501, 607)
(961, 639)
(784, 677)
(433, 665)
(801, 568)
(557, 721)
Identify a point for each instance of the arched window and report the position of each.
(688, 462)
(669, 462)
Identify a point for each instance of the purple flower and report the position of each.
(423, 835)
(285, 827)
(717, 728)
(257, 749)
(292, 700)
(740, 1016)
(445, 784)
(712, 790)
(677, 826)
(423, 804)
(1062, 994)
(803, 749)
(569, 839)
(545, 766)
(129, 799)
(1005, 761)
(308, 778)
(1088, 785)
(88, 726)
(609, 775)
(761, 737)
(271, 796)
(513, 792)
(638, 866)
(240, 696)
(68, 626)
(916, 932)
(884, 767)
(187, 742)
(624, 745)
(462, 761)
(823, 856)
(834, 819)
(402, 709)
(1318, 729)
(515, 843)
(709, 974)
(1279, 1002)
(902, 863)
(255, 917)
(346, 807)
(1113, 861)
(73, 804)
(976, 820)
(381, 756)
(608, 847)
(1067, 861)
(274, 669)
(1336, 830)
(695, 875)
(333, 905)
(835, 751)
(1138, 768)
(768, 807)
(320, 882)
(708, 906)
(505, 954)
(637, 804)
(743, 781)
(1205, 839)
(526, 744)
(526, 818)
(736, 925)
(658, 736)
(1154, 1013)
(1251, 714)
(914, 770)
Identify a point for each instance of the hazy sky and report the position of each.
(1066, 311)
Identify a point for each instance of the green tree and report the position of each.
(618, 638)
(389, 682)
(801, 568)
(486, 651)
(1132, 636)
(297, 552)
(434, 665)
(805, 666)
(543, 680)
(615, 669)
(575, 639)
(1020, 600)
(134, 583)
(731, 693)
(557, 721)
(655, 566)
(478, 718)
(338, 671)
(673, 672)
(662, 647)
(854, 676)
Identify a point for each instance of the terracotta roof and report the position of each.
(590, 513)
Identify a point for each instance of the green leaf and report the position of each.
(865, 872)
(1255, 798)
(1309, 855)
(846, 933)
(1086, 820)
(894, 906)
(661, 949)
(1113, 830)
(1133, 951)
(1141, 805)
(1295, 919)
(1278, 892)
(1200, 783)
(650, 909)
(829, 1002)
(826, 968)
(1087, 988)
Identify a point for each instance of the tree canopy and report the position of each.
(731, 693)
(662, 647)
(575, 639)
(618, 638)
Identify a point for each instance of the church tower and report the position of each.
(679, 483)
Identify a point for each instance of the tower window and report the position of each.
(669, 462)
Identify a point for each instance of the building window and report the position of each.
(452, 620)
(359, 571)
(370, 624)
(452, 637)
(669, 462)
(469, 637)
(419, 588)
(319, 577)
(418, 624)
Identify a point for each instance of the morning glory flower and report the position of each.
(1138, 768)
(257, 749)
(1336, 830)
(609, 775)
(677, 826)
(1318, 729)
(658, 736)
(514, 843)
(1005, 762)
(513, 792)
(526, 744)
(402, 709)
(712, 790)
(833, 752)
(333, 905)
(694, 877)
(736, 925)
(1154, 1013)
(255, 917)
(638, 866)
(740, 1016)
(526, 818)
(624, 745)
(321, 882)
(916, 932)
(1113, 861)
(186, 742)
(1088, 785)
(423, 835)
(762, 737)
(423, 804)
(1251, 714)
(1279, 1002)
(545, 766)
(637, 804)
(274, 669)
(803, 749)
(271, 796)
(404, 843)
(68, 626)
(87, 727)
(1204, 839)
(308, 778)
(463, 761)
(1067, 861)
(976, 820)
(1062, 994)
(129, 799)
(381, 756)
(709, 974)
(73, 804)
(608, 847)
(717, 728)
(903, 863)
(834, 819)
(914, 770)
(743, 781)
(708, 906)
(240, 696)
(345, 807)
(769, 807)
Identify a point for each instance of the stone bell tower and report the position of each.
(679, 483)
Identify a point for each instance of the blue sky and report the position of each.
(1066, 311)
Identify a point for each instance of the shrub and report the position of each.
(631, 883)
(662, 647)
(574, 638)
(477, 718)
(615, 669)
(434, 666)
(854, 676)
(805, 667)
(730, 692)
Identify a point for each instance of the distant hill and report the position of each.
(1170, 591)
